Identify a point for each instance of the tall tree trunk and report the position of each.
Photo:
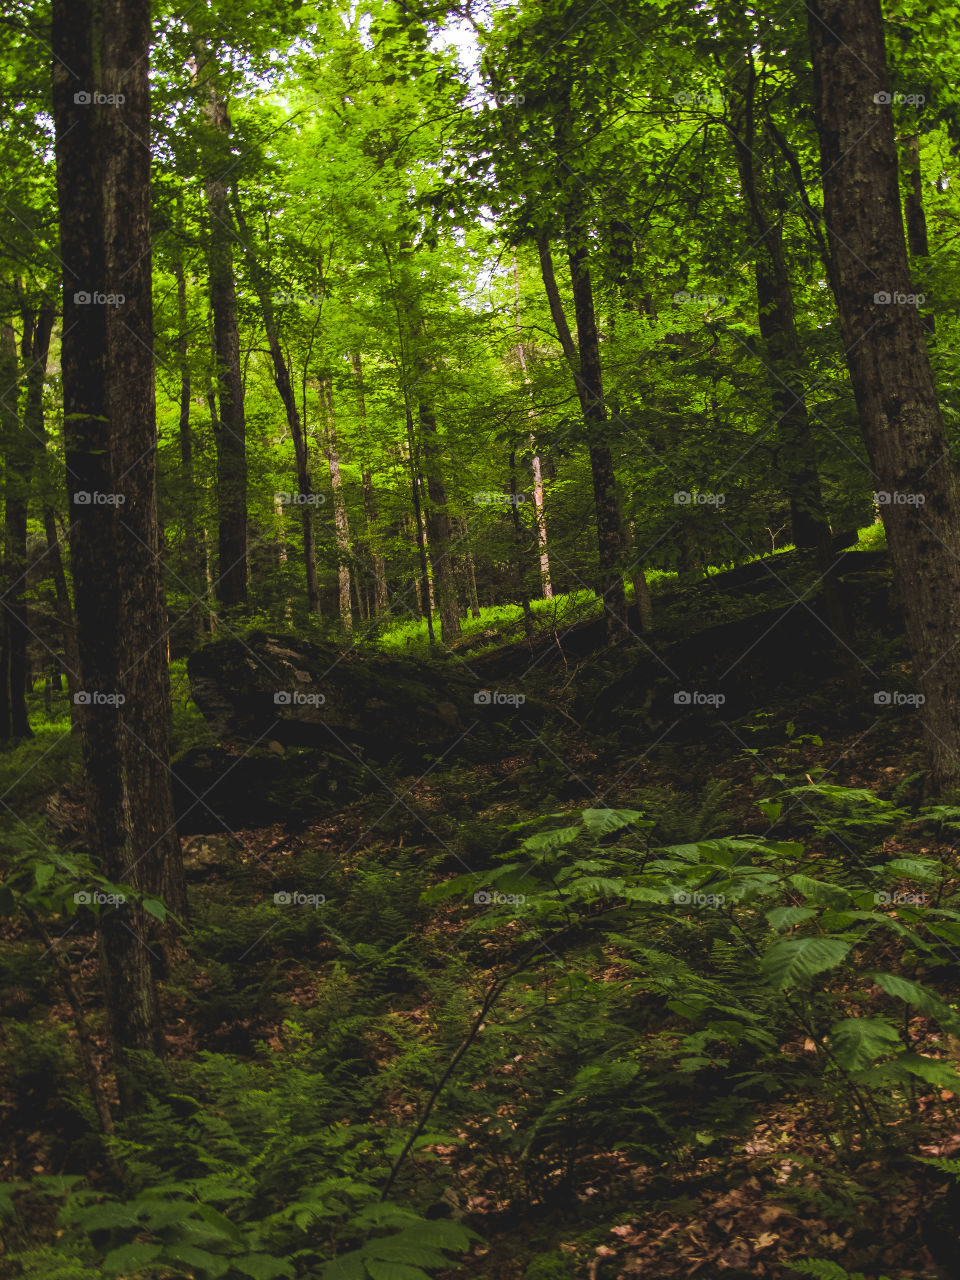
(518, 556)
(13, 707)
(65, 615)
(370, 504)
(914, 214)
(281, 379)
(796, 451)
(424, 591)
(471, 568)
(439, 534)
(340, 520)
(231, 584)
(784, 358)
(195, 574)
(103, 185)
(887, 355)
(586, 368)
(546, 588)
(31, 457)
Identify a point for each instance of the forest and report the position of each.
(480, 640)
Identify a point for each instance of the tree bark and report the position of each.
(784, 358)
(370, 504)
(471, 569)
(541, 523)
(13, 706)
(914, 215)
(887, 355)
(65, 615)
(424, 592)
(103, 185)
(340, 520)
(281, 380)
(518, 556)
(192, 548)
(586, 368)
(231, 582)
(439, 532)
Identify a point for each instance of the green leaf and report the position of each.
(43, 873)
(7, 1191)
(547, 841)
(820, 892)
(464, 884)
(377, 1270)
(221, 1224)
(260, 1266)
(100, 1216)
(603, 822)
(786, 917)
(926, 870)
(791, 961)
(155, 908)
(859, 1042)
(920, 997)
(935, 1071)
(210, 1264)
(348, 1267)
(131, 1257)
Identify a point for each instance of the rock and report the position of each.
(281, 691)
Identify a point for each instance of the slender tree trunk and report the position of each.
(887, 355)
(914, 214)
(784, 358)
(12, 701)
(65, 616)
(439, 534)
(471, 569)
(518, 550)
(231, 584)
(195, 575)
(103, 185)
(586, 368)
(424, 592)
(340, 520)
(370, 505)
(281, 379)
(541, 523)
(20, 453)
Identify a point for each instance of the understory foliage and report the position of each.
(623, 999)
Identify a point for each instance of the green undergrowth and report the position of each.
(593, 961)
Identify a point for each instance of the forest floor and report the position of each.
(737, 1180)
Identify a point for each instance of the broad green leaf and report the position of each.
(786, 917)
(859, 1042)
(43, 873)
(792, 961)
(914, 994)
(546, 841)
(260, 1266)
(378, 1270)
(820, 892)
(348, 1267)
(221, 1224)
(202, 1260)
(131, 1258)
(603, 822)
(926, 870)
